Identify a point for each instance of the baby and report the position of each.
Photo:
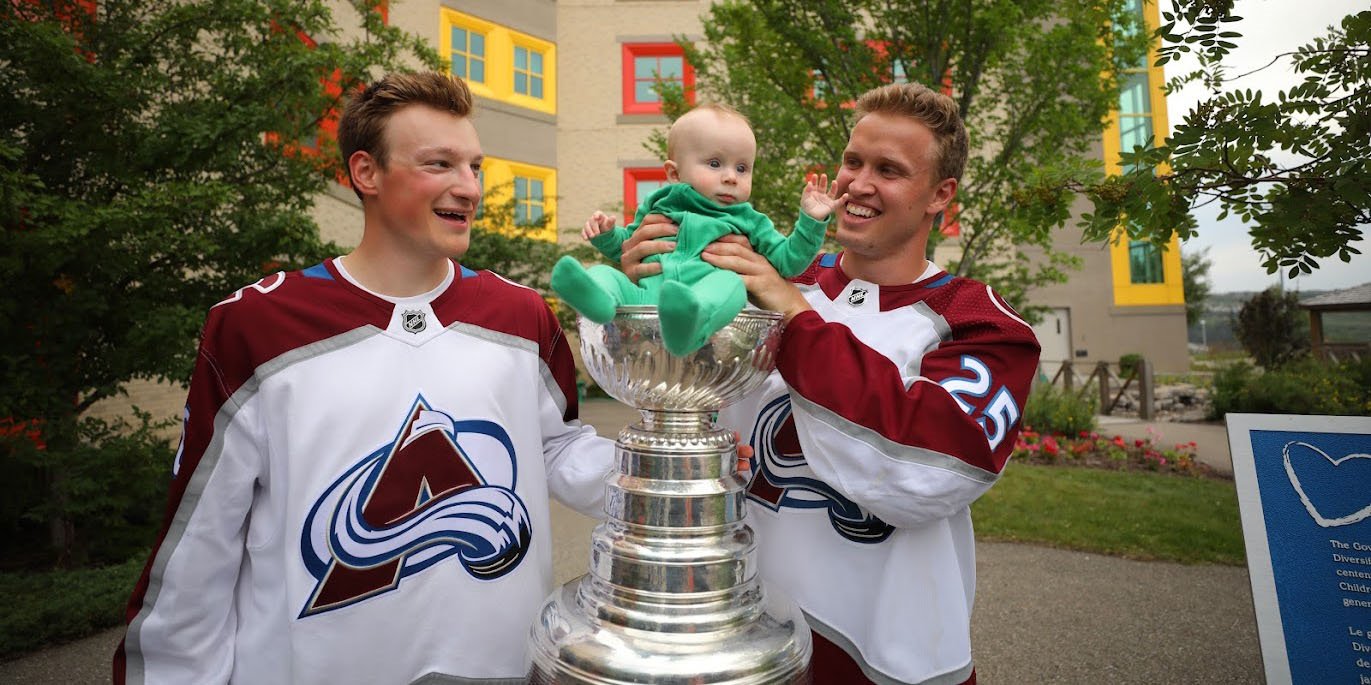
(710, 152)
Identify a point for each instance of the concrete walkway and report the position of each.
(1042, 615)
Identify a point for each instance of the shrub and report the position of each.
(1050, 410)
(105, 494)
(1230, 388)
(56, 606)
(1130, 364)
(1304, 387)
(1272, 328)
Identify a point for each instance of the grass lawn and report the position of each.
(1138, 515)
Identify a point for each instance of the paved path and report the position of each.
(1042, 615)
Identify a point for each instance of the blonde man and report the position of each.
(895, 405)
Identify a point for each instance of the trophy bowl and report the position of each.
(627, 358)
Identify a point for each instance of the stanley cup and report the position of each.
(673, 596)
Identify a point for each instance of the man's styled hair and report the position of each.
(718, 108)
(932, 109)
(363, 123)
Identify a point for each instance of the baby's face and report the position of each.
(715, 158)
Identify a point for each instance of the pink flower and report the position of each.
(1118, 440)
(1138, 443)
(1051, 447)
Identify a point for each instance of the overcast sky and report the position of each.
(1269, 27)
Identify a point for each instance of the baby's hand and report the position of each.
(819, 199)
(598, 223)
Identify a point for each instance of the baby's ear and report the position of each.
(673, 174)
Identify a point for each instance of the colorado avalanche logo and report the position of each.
(443, 487)
(782, 478)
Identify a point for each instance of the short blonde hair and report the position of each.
(932, 109)
(717, 108)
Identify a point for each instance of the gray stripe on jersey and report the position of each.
(832, 635)
(444, 679)
(205, 468)
(901, 451)
(940, 326)
(518, 343)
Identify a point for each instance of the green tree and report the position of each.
(1272, 328)
(518, 251)
(154, 156)
(1027, 75)
(1294, 164)
(1195, 283)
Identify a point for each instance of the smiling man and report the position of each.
(360, 494)
(895, 404)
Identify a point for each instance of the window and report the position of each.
(468, 57)
(528, 72)
(646, 63)
(481, 188)
(498, 62)
(1143, 274)
(531, 189)
(898, 72)
(638, 185)
(1144, 263)
(528, 200)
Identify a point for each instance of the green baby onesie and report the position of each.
(693, 298)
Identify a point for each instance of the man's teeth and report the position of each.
(858, 210)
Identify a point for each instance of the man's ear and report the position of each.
(942, 196)
(673, 174)
(365, 172)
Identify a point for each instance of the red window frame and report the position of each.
(632, 50)
(631, 179)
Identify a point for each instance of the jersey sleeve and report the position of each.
(611, 243)
(909, 452)
(181, 616)
(578, 460)
(790, 254)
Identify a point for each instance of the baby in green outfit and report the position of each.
(710, 152)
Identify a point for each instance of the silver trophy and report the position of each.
(673, 595)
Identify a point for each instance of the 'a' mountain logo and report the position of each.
(442, 488)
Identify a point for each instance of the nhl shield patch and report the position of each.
(414, 321)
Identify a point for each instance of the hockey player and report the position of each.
(361, 491)
(895, 405)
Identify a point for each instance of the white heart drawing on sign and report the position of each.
(1295, 481)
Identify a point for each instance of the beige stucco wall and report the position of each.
(1100, 330)
(595, 140)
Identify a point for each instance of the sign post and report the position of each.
(1304, 493)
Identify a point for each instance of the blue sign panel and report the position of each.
(1306, 508)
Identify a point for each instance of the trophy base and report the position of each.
(573, 645)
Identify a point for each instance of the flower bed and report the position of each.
(1094, 450)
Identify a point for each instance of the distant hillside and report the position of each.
(1221, 309)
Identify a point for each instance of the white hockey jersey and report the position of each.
(891, 410)
(360, 495)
